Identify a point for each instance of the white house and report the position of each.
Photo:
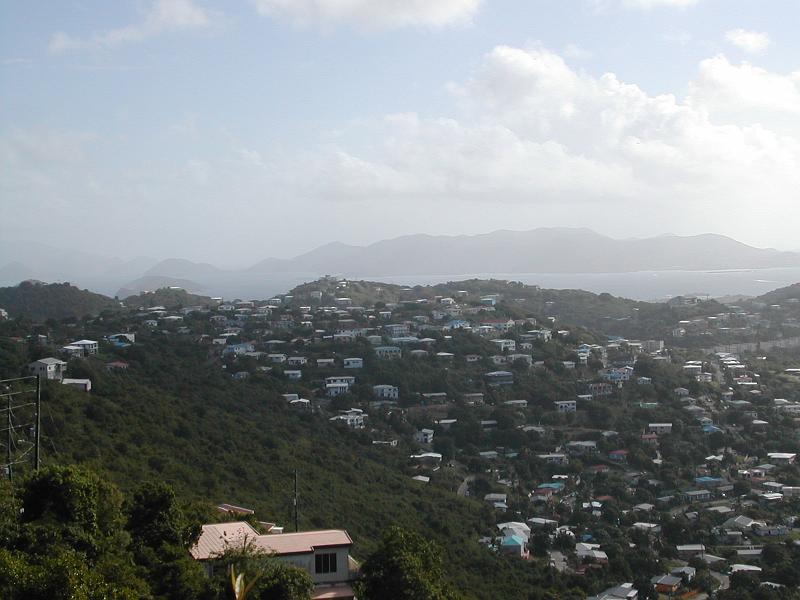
(566, 406)
(387, 352)
(353, 418)
(48, 368)
(332, 390)
(84, 385)
(505, 345)
(386, 392)
(88, 347)
(424, 436)
(353, 363)
(293, 374)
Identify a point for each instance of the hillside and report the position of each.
(175, 418)
(168, 297)
(39, 301)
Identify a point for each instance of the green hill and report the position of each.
(176, 417)
(39, 301)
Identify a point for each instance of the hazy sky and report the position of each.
(230, 131)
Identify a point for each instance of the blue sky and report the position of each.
(224, 131)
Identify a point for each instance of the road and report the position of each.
(558, 560)
(724, 580)
(464, 487)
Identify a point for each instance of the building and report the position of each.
(353, 418)
(386, 392)
(660, 428)
(424, 436)
(84, 385)
(497, 378)
(387, 351)
(566, 406)
(324, 555)
(88, 347)
(48, 368)
(353, 363)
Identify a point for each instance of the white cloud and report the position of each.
(651, 4)
(746, 89)
(163, 16)
(752, 42)
(371, 14)
(534, 132)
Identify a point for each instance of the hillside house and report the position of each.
(660, 428)
(566, 406)
(88, 347)
(386, 392)
(498, 378)
(48, 368)
(424, 436)
(353, 363)
(324, 555)
(387, 352)
(84, 385)
(505, 345)
(353, 418)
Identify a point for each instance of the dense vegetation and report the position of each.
(40, 301)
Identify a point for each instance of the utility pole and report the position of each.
(8, 435)
(37, 434)
(296, 526)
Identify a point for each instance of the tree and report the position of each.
(404, 567)
(263, 576)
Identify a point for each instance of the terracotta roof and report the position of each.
(215, 538)
(304, 541)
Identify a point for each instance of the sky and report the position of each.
(231, 131)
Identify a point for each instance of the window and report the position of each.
(325, 563)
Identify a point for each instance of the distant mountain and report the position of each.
(40, 301)
(182, 268)
(150, 283)
(547, 250)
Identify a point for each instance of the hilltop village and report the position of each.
(634, 451)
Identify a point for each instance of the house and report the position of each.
(324, 555)
(353, 418)
(424, 436)
(505, 345)
(687, 573)
(122, 340)
(697, 495)
(660, 428)
(387, 352)
(88, 347)
(782, 458)
(353, 363)
(554, 458)
(687, 550)
(666, 584)
(332, 390)
(325, 363)
(386, 392)
(498, 378)
(566, 406)
(582, 447)
(618, 455)
(473, 399)
(48, 368)
(514, 545)
(296, 361)
(84, 385)
(625, 591)
(293, 374)
(117, 365)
